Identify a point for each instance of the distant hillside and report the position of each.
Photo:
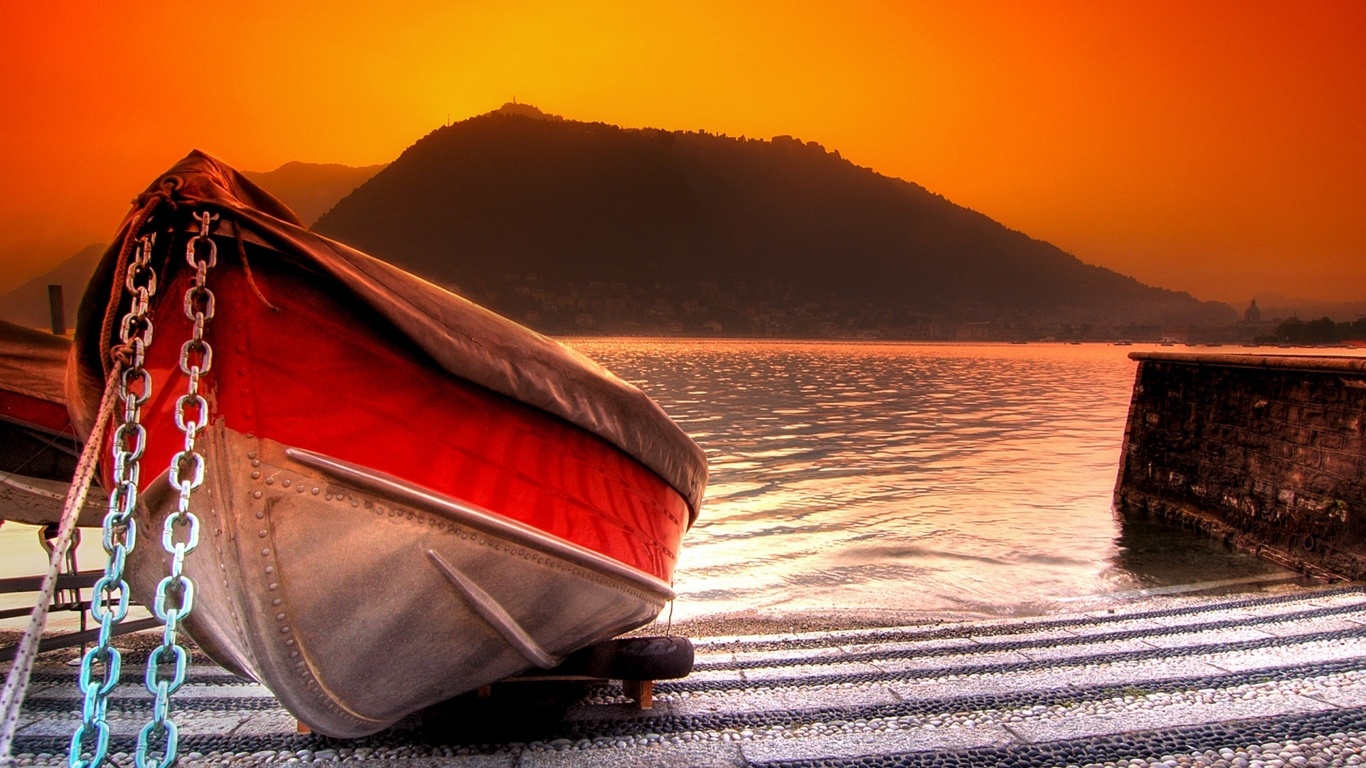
(585, 226)
(1275, 305)
(27, 305)
(311, 189)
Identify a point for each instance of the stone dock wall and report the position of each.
(1266, 452)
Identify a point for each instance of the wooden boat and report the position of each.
(38, 444)
(405, 496)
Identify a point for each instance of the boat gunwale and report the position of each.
(57, 420)
(483, 519)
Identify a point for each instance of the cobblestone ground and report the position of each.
(1268, 680)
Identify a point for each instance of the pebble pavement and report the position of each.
(1271, 679)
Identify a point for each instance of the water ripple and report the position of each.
(894, 477)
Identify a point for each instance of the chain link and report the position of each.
(101, 664)
(180, 534)
(174, 601)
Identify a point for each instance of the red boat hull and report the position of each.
(321, 373)
(405, 496)
(379, 535)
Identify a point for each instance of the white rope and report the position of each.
(12, 697)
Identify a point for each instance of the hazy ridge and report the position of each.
(311, 189)
(569, 226)
(587, 227)
(27, 305)
(1276, 305)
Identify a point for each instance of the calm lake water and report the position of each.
(915, 479)
(922, 480)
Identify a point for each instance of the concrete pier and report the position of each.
(1265, 452)
(1270, 678)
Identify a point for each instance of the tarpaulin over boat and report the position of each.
(467, 340)
(33, 363)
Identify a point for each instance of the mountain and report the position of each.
(23, 258)
(574, 226)
(27, 305)
(311, 189)
(1275, 305)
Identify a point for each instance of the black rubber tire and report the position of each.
(646, 658)
(628, 658)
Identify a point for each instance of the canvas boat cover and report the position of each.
(33, 363)
(467, 340)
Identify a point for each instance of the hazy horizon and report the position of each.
(60, 250)
(1210, 149)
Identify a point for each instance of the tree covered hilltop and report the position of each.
(574, 227)
(1322, 331)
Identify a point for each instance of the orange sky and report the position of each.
(1212, 147)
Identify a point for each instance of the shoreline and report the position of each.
(766, 624)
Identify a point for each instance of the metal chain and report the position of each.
(175, 593)
(16, 683)
(109, 601)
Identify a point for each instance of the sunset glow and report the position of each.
(1210, 147)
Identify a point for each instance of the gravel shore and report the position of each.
(1276, 678)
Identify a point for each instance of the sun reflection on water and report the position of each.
(872, 478)
(927, 479)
